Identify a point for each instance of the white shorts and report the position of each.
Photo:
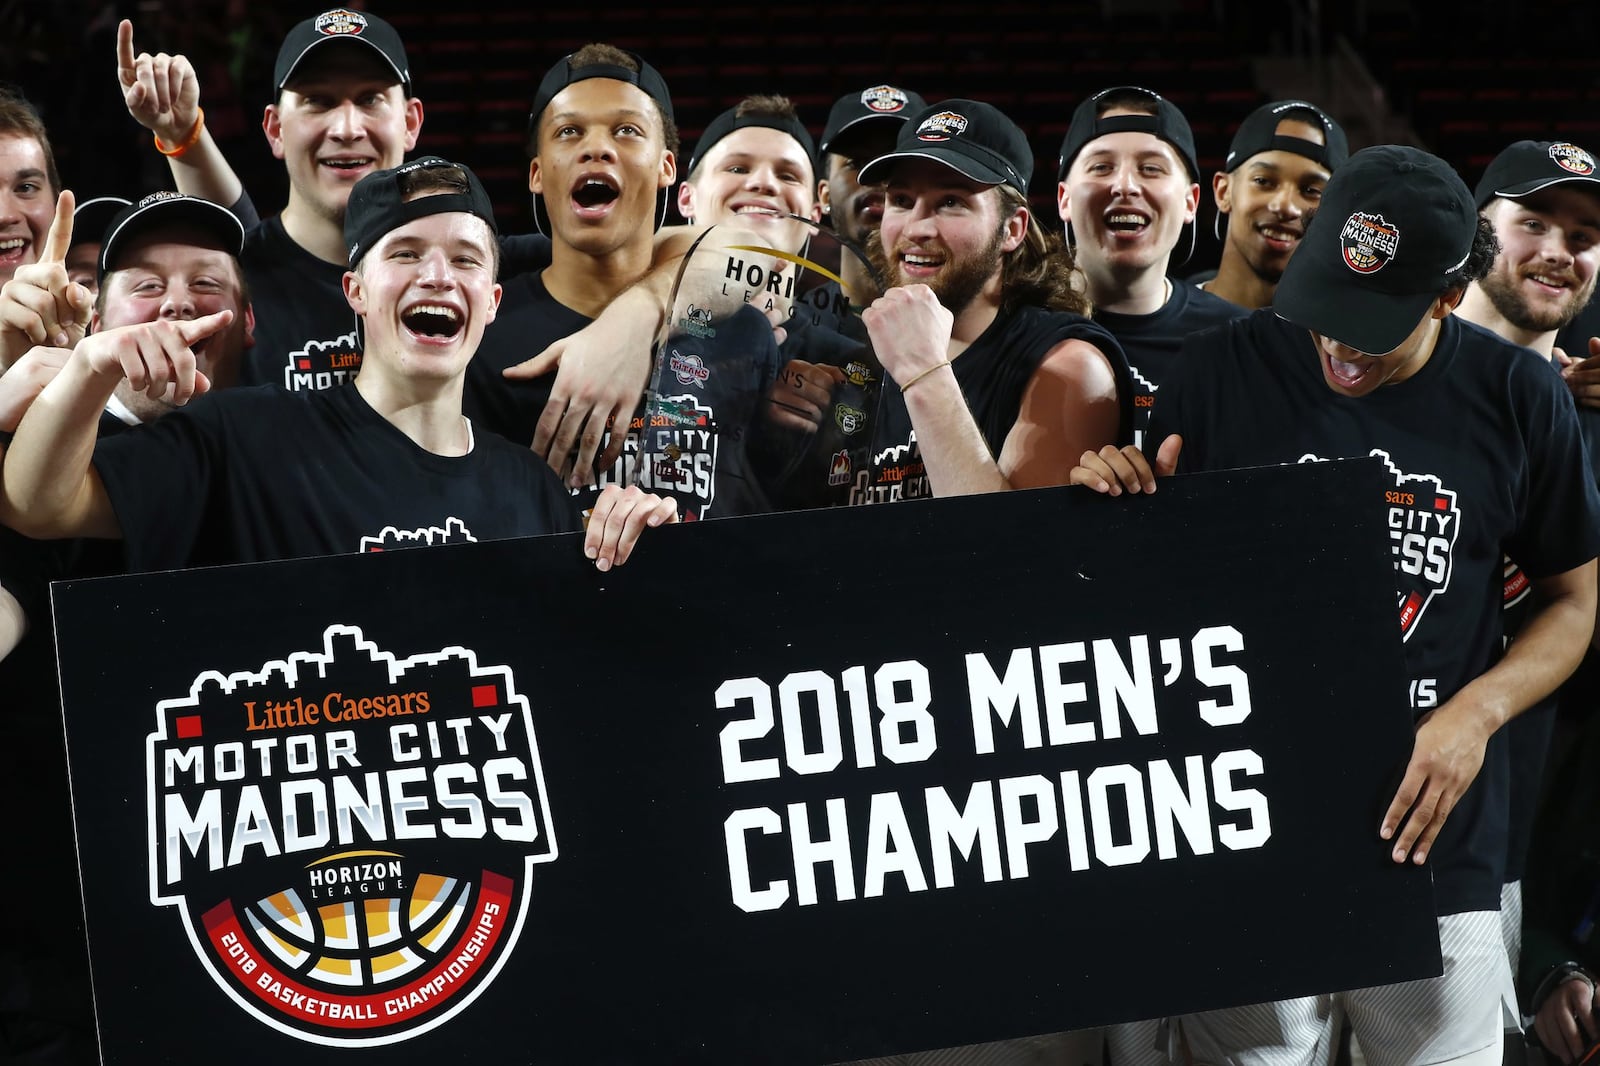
(1413, 1023)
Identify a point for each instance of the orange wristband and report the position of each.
(189, 142)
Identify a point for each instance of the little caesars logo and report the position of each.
(1369, 242)
(349, 838)
(323, 364)
(1571, 158)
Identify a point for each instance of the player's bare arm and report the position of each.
(1450, 742)
(1069, 407)
(162, 94)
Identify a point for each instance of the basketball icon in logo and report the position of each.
(349, 838)
(1368, 242)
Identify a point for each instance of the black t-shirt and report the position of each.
(254, 474)
(1151, 342)
(993, 373)
(687, 439)
(1485, 459)
(1528, 735)
(306, 336)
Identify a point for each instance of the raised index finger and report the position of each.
(125, 66)
(59, 239)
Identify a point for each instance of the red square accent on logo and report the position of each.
(484, 696)
(188, 726)
(1441, 504)
(302, 364)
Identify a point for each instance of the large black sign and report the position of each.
(788, 789)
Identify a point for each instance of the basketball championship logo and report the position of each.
(1571, 158)
(942, 127)
(1368, 242)
(884, 99)
(340, 23)
(349, 838)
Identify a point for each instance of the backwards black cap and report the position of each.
(378, 204)
(731, 120)
(1167, 123)
(563, 74)
(341, 24)
(1259, 133)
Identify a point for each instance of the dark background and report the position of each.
(1461, 79)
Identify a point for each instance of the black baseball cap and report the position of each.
(1394, 223)
(161, 209)
(1528, 166)
(881, 106)
(341, 24)
(563, 74)
(973, 138)
(731, 120)
(1259, 133)
(1167, 123)
(92, 218)
(378, 204)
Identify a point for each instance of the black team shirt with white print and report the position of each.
(1151, 342)
(1483, 458)
(993, 372)
(254, 474)
(691, 444)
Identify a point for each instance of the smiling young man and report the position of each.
(1277, 165)
(1543, 199)
(1127, 189)
(28, 183)
(999, 380)
(1361, 355)
(387, 459)
(342, 107)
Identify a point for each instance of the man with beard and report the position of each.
(1362, 355)
(1270, 184)
(997, 379)
(861, 126)
(1543, 199)
(1127, 188)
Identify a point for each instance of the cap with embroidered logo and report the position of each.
(1394, 224)
(162, 209)
(973, 138)
(879, 107)
(341, 24)
(1528, 166)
